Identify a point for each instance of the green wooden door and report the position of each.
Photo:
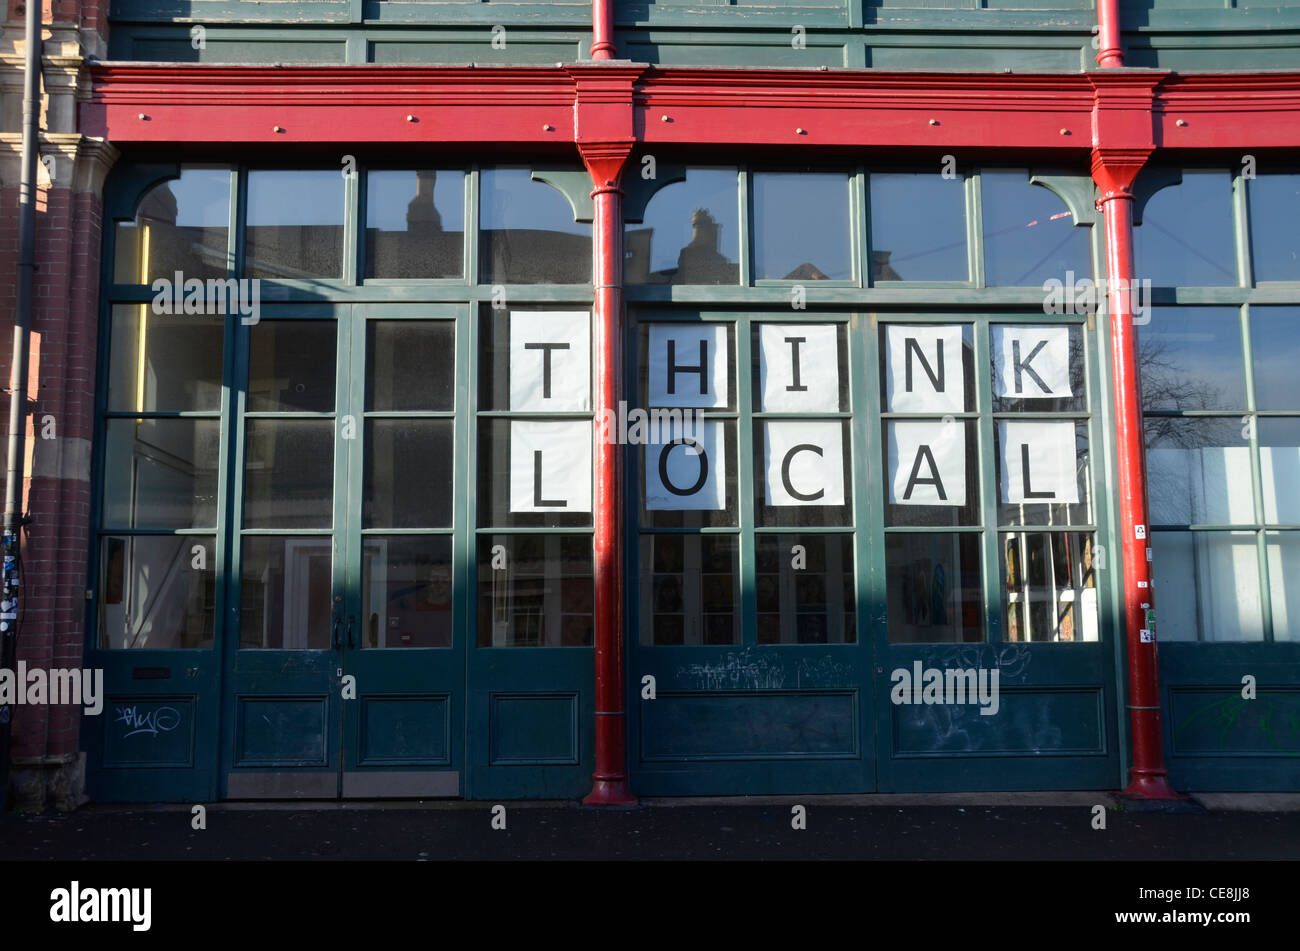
(345, 674)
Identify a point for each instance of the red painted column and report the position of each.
(610, 779)
(1111, 49)
(602, 29)
(1147, 775)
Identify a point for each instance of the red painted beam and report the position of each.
(725, 108)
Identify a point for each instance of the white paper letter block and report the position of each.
(550, 362)
(685, 379)
(804, 463)
(550, 465)
(810, 385)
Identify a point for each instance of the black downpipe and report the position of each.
(18, 395)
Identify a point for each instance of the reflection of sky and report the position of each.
(1274, 233)
(1185, 239)
(202, 197)
(801, 219)
(510, 199)
(920, 219)
(668, 215)
(1191, 359)
(389, 193)
(1029, 234)
(295, 197)
(1275, 347)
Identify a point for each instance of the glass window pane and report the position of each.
(918, 227)
(803, 472)
(1274, 211)
(1275, 353)
(410, 365)
(935, 594)
(415, 223)
(180, 225)
(1049, 587)
(1029, 234)
(1044, 459)
(151, 595)
(931, 472)
(690, 589)
(535, 591)
(1284, 583)
(288, 473)
(1190, 358)
(408, 480)
(1279, 462)
(295, 224)
(291, 366)
(286, 592)
(801, 226)
(406, 591)
(527, 232)
(690, 233)
(1035, 366)
(1198, 471)
(543, 482)
(1185, 238)
(1212, 580)
(161, 473)
(805, 589)
(160, 363)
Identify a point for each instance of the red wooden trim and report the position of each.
(334, 105)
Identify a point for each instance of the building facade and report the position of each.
(439, 399)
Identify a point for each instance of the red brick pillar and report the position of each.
(47, 768)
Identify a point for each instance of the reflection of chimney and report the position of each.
(421, 215)
(700, 262)
(881, 268)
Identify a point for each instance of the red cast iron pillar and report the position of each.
(1111, 50)
(1114, 171)
(602, 29)
(604, 132)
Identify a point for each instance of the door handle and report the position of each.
(351, 643)
(334, 633)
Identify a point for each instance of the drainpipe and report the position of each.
(610, 779)
(1111, 52)
(1147, 775)
(13, 519)
(602, 29)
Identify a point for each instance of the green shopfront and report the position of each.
(342, 543)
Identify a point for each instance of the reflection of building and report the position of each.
(335, 489)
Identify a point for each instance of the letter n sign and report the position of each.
(924, 371)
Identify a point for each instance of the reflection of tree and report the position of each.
(1165, 385)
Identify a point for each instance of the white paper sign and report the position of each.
(688, 365)
(550, 465)
(550, 361)
(686, 472)
(924, 370)
(927, 463)
(1031, 362)
(1038, 461)
(799, 368)
(804, 463)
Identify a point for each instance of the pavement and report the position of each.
(1002, 826)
